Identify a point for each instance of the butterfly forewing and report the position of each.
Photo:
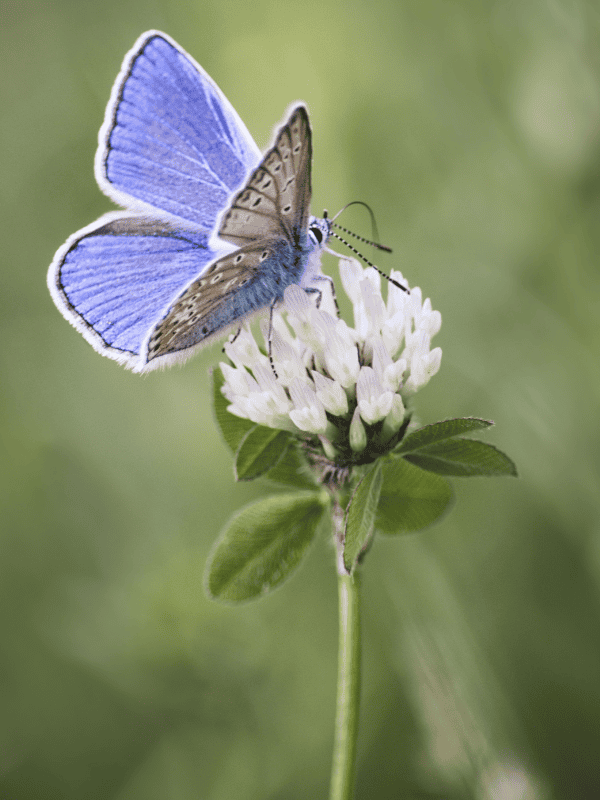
(212, 302)
(275, 201)
(170, 138)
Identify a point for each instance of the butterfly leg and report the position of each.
(270, 337)
(235, 335)
(313, 290)
(333, 294)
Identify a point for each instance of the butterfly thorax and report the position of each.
(315, 238)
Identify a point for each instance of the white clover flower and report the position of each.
(308, 412)
(374, 402)
(331, 394)
(346, 387)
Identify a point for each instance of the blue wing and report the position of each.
(170, 139)
(115, 279)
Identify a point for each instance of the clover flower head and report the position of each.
(344, 387)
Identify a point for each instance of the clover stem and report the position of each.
(348, 689)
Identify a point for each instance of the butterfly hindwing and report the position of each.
(276, 198)
(216, 300)
(114, 279)
(170, 138)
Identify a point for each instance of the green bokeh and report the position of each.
(473, 129)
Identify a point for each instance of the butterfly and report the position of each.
(212, 232)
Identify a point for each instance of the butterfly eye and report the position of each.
(317, 233)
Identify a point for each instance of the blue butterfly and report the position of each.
(213, 232)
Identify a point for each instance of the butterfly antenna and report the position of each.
(375, 236)
(369, 263)
(362, 239)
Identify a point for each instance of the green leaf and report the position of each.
(410, 499)
(260, 450)
(262, 545)
(463, 457)
(438, 431)
(292, 470)
(360, 515)
(232, 428)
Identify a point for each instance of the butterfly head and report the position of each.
(319, 231)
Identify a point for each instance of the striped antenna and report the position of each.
(362, 239)
(374, 234)
(369, 263)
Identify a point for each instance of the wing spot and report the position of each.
(257, 202)
(216, 278)
(297, 148)
(264, 255)
(286, 209)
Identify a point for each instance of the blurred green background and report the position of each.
(473, 129)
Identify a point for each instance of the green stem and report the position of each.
(348, 689)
